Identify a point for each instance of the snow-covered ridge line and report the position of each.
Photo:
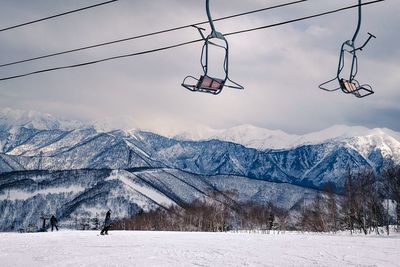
(263, 139)
(10, 118)
(246, 135)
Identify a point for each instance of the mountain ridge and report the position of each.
(248, 135)
(316, 159)
(79, 171)
(261, 138)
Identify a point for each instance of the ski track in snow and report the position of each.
(87, 248)
(157, 197)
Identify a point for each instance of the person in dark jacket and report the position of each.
(53, 222)
(107, 223)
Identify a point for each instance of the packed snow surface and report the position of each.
(87, 248)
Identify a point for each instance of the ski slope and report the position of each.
(86, 248)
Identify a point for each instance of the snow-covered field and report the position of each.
(86, 248)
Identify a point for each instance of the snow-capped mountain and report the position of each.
(313, 165)
(263, 139)
(312, 159)
(247, 135)
(73, 168)
(34, 120)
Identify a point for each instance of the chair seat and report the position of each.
(354, 88)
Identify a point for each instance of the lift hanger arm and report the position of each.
(359, 21)
(214, 33)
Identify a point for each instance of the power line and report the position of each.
(147, 34)
(186, 43)
(57, 15)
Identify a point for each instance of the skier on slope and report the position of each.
(107, 223)
(53, 222)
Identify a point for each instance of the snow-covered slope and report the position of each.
(160, 249)
(26, 196)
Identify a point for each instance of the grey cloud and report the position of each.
(280, 67)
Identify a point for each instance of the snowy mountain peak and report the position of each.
(255, 131)
(344, 131)
(261, 138)
(256, 137)
(341, 130)
(30, 119)
(10, 118)
(195, 133)
(108, 124)
(247, 135)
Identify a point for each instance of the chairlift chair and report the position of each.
(355, 88)
(350, 85)
(207, 83)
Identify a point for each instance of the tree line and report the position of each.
(219, 212)
(363, 205)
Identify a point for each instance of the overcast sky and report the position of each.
(279, 67)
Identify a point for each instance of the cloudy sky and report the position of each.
(279, 67)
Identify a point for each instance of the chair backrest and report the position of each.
(350, 87)
(354, 88)
(208, 83)
(347, 86)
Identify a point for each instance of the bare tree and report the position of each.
(313, 217)
(391, 176)
(348, 208)
(218, 212)
(362, 204)
(95, 222)
(332, 208)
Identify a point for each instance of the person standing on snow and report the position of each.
(107, 223)
(53, 222)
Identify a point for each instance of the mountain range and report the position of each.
(71, 168)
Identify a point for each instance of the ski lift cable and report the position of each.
(57, 15)
(148, 34)
(102, 60)
(185, 43)
(306, 18)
